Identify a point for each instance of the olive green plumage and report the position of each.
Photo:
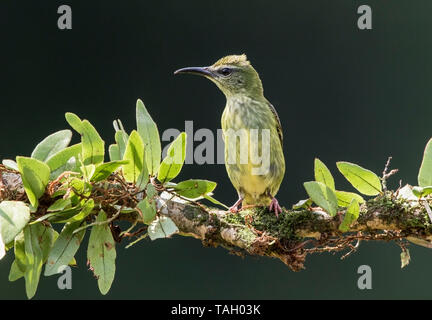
(247, 112)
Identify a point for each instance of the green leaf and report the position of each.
(59, 205)
(425, 173)
(114, 152)
(322, 195)
(62, 157)
(93, 150)
(422, 191)
(88, 172)
(362, 179)
(61, 192)
(344, 198)
(9, 245)
(71, 166)
(51, 145)
(101, 253)
(194, 188)
(35, 175)
(426, 191)
(148, 210)
(134, 154)
(19, 251)
(14, 216)
(74, 121)
(77, 185)
(46, 236)
(151, 191)
(15, 273)
(306, 203)
(104, 170)
(64, 249)
(60, 217)
(10, 164)
(122, 139)
(85, 211)
(161, 227)
(2, 249)
(149, 133)
(45, 217)
(323, 174)
(405, 258)
(417, 191)
(351, 215)
(213, 200)
(173, 162)
(142, 180)
(37, 242)
(73, 262)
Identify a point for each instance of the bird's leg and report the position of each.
(274, 206)
(234, 208)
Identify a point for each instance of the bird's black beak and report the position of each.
(201, 71)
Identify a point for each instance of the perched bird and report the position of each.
(248, 114)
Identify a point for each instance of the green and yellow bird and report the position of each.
(252, 132)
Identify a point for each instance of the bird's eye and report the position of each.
(225, 71)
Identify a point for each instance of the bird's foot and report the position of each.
(235, 207)
(274, 206)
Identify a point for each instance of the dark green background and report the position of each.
(341, 93)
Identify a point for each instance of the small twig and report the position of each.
(134, 234)
(398, 189)
(300, 245)
(100, 223)
(353, 249)
(188, 200)
(126, 232)
(386, 166)
(428, 209)
(54, 183)
(137, 240)
(386, 174)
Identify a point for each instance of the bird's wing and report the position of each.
(278, 123)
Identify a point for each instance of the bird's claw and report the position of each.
(274, 206)
(235, 207)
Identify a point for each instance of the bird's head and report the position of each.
(232, 74)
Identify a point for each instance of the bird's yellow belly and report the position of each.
(253, 185)
(253, 188)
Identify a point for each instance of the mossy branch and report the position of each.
(255, 231)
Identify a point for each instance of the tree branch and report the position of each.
(255, 231)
